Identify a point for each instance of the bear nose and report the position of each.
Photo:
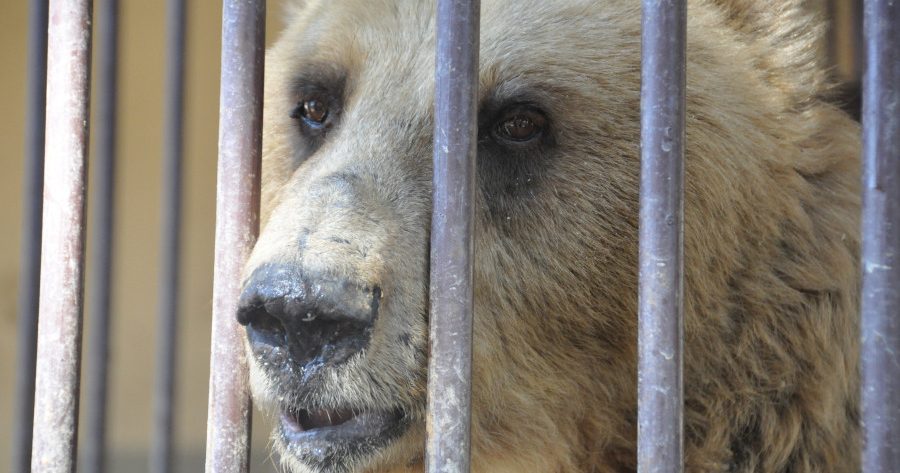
(326, 320)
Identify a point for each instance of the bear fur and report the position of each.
(771, 232)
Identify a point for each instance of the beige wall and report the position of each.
(137, 218)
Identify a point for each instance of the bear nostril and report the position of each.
(246, 315)
(261, 326)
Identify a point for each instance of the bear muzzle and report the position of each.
(316, 321)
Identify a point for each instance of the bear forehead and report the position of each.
(390, 43)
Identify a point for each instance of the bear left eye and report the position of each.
(312, 112)
(520, 126)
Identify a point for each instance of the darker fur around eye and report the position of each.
(325, 87)
(509, 170)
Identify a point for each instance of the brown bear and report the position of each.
(335, 293)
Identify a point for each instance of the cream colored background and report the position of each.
(142, 68)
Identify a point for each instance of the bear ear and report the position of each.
(792, 33)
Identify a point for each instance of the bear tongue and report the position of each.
(314, 419)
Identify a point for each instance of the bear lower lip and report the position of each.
(336, 425)
(304, 420)
(331, 440)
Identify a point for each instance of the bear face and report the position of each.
(335, 292)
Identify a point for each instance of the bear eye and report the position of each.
(520, 126)
(313, 112)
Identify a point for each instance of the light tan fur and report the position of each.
(771, 232)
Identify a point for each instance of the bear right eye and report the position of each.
(520, 126)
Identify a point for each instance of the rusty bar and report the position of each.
(94, 451)
(237, 224)
(661, 252)
(880, 326)
(30, 269)
(62, 248)
(167, 340)
(452, 223)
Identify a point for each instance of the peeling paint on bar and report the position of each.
(660, 317)
(237, 224)
(880, 311)
(451, 296)
(62, 251)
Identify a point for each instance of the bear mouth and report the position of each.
(330, 440)
(337, 423)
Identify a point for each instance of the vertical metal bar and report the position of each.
(661, 253)
(29, 272)
(62, 250)
(237, 224)
(102, 243)
(880, 325)
(167, 333)
(452, 222)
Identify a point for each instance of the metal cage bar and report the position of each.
(880, 327)
(30, 270)
(101, 250)
(452, 222)
(237, 224)
(661, 251)
(62, 248)
(167, 333)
